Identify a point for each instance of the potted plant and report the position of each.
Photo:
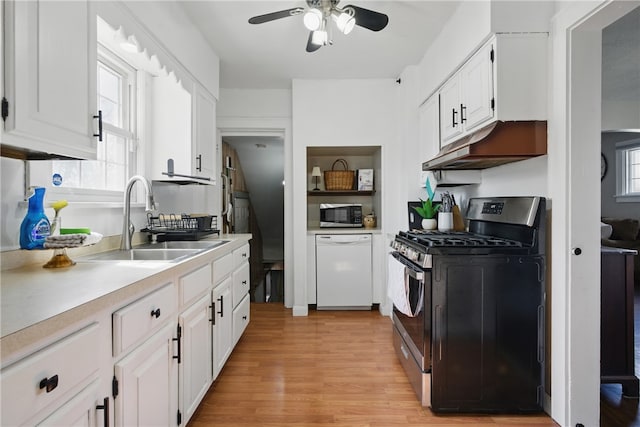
(428, 211)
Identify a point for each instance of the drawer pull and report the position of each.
(105, 408)
(244, 317)
(244, 282)
(155, 313)
(244, 255)
(49, 383)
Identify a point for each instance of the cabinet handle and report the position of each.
(453, 117)
(49, 383)
(99, 117)
(462, 117)
(244, 317)
(244, 282)
(179, 339)
(155, 313)
(105, 408)
(199, 162)
(221, 312)
(213, 313)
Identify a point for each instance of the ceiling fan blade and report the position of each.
(261, 19)
(372, 20)
(312, 47)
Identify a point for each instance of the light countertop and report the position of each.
(36, 301)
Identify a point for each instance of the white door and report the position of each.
(195, 369)
(477, 89)
(80, 411)
(574, 166)
(51, 76)
(148, 383)
(223, 325)
(450, 125)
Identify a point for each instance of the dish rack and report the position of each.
(181, 226)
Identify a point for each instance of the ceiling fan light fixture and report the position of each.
(319, 38)
(313, 19)
(344, 21)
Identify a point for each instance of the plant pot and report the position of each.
(429, 224)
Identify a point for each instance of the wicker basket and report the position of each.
(339, 180)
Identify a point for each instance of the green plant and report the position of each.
(428, 209)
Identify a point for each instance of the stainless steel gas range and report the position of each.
(469, 308)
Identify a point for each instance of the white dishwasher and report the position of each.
(343, 272)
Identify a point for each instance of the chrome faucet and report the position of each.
(127, 226)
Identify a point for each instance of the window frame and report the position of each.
(623, 195)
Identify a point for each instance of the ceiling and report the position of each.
(270, 55)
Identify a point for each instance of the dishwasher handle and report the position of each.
(343, 239)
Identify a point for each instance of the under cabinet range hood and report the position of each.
(495, 145)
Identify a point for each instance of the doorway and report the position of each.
(278, 132)
(574, 162)
(256, 205)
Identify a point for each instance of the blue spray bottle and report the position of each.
(35, 226)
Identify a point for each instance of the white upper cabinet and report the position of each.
(184, 132)
(204, 125)
(504, 80)
(467, 97)
(50, 78)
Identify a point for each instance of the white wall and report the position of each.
(339, 113)
(238, 103)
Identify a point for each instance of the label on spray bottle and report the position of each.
(40, 231)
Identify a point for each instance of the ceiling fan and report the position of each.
(320, 12)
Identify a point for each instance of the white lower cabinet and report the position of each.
(40, 385)
(146, 382)
(81, 410)
(241, 317)
(196, 370)
(222, 324)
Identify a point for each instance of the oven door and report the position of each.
(414, 325)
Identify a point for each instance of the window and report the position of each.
(628, 171)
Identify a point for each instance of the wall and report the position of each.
(265, 113)
(609, 206)
(339, 113)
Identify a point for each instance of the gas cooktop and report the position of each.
(456, 239)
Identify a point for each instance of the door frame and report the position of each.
(574, 146)
(228, 126)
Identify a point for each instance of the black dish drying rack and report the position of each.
(167, 227)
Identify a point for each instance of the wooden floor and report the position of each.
(332, 368)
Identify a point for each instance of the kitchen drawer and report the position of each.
(241, 283)
(241, 255)
(194, 284)
(241, 317)
(64, 365)
(222, 267)
(138, 319)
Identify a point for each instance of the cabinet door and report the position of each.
(195, 369)
(148, 383)
(477, 89)
(51, 76)
(429, 133)
(205, 135)
(80, 411)
(450, 125)
(223, 325)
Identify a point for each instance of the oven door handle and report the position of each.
(409, 268)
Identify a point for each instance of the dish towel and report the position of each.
(398, 288)
(71, 240)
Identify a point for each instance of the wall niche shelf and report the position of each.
(339, 193)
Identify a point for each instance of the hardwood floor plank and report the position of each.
(332, 368)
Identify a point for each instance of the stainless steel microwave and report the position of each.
(340, 215)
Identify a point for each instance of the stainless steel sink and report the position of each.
(172, 255)
(165, 251)
(184, 244)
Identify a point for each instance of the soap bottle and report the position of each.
(35, 226)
